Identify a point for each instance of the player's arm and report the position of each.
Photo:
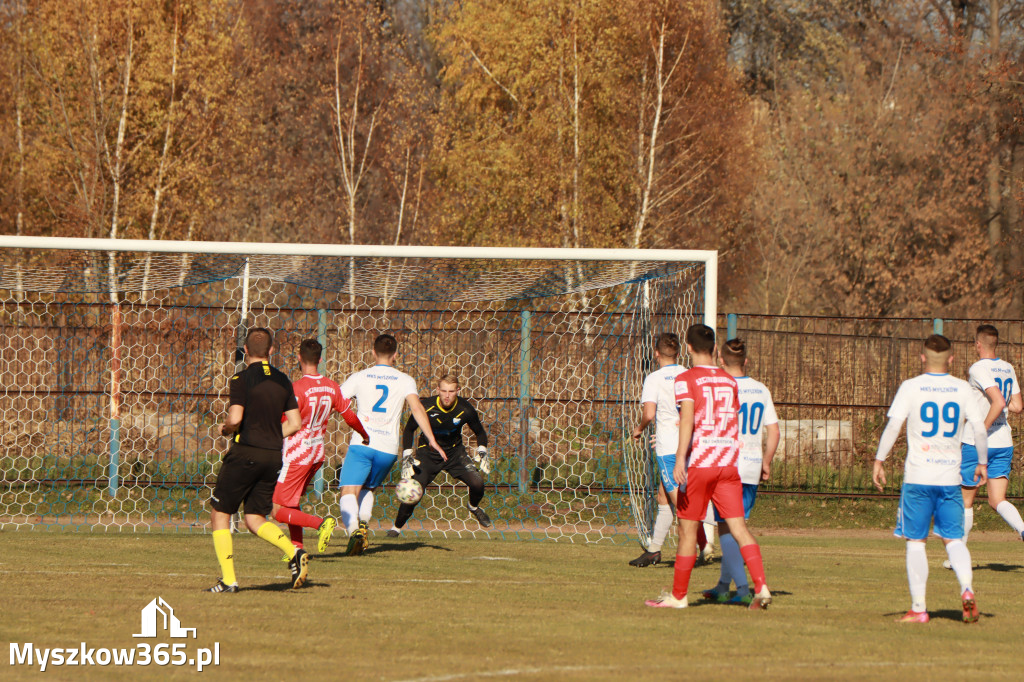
(292, 422)
(352, 419)
(685, 440)
(237, 390)
(233, 420)
(885, 443)
(646, 417)
(420, 415)
(996, 407)
(774, 435)
(482, 459)
(1016, 405)
(981, 445)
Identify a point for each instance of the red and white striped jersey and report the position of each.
(716, 430)
(318, 396)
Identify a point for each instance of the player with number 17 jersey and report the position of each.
(712, 474)
(715, 397)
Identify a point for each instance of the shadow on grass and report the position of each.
(999, 568)
(287, 587)
(943, 614)
(386, 547)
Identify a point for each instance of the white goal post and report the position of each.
(117, 355)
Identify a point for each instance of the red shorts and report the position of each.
(720, 485)
(292, 483)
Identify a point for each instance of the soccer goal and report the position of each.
(117, 353)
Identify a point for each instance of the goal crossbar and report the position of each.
(708, 257)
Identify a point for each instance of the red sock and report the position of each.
(294, 517)
(681, 577)
(296, 534)
(702, 539)
(752, 558)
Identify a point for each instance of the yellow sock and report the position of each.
(222, 545)
(272, 533)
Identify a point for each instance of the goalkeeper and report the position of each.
(447, 413)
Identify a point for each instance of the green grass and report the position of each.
(454, 609)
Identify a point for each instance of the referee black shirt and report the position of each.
(265, 394)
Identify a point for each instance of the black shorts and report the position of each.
(458, 465)
(247, 475)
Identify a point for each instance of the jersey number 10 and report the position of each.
(756, 413)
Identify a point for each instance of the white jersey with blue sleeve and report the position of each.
(984, 374)
(380, 392)
(659, 388)
(757, 410)
(935, 407)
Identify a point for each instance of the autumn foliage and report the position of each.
(849, 157)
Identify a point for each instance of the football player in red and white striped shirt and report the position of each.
(303, 454)
(709, 446)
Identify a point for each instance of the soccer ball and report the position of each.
(408, 491)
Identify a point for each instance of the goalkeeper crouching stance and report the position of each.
(447, 413)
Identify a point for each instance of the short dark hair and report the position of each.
(938, 343)
(259, 341)
(310, 351)
(734, 352)
(385, 345)
(668, 344)
(988, 334)
(701, 338)
(448, 378)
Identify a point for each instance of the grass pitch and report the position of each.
(462, 609)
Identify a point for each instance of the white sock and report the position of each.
(1010, 515)
(365, 505)
(709, 533)
(968, 521)
(662, 525)
(960, 560)
(917, 573)
(349, 513)
(732, 564)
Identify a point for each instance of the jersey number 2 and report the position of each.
(379, 405)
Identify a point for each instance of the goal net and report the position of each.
(117, 354)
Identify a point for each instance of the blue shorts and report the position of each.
(365, 466)
(919, 504)
(666, 464)
(999, 460)
(749, 497)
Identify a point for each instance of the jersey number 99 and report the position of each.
(930, 415)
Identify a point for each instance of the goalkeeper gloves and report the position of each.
(409, 461)
(483, 460)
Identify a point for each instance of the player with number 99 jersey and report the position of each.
(380, 392)
(934, 407)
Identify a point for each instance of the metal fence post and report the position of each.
(321, 336)
(937, 325)
(524, 397)
(732, 324)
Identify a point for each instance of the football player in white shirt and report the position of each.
(935, 406)
(658, 400)
(995, 391)
(755, 464)
(380, 393)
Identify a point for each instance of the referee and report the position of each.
(447, 413)
(260, 396)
